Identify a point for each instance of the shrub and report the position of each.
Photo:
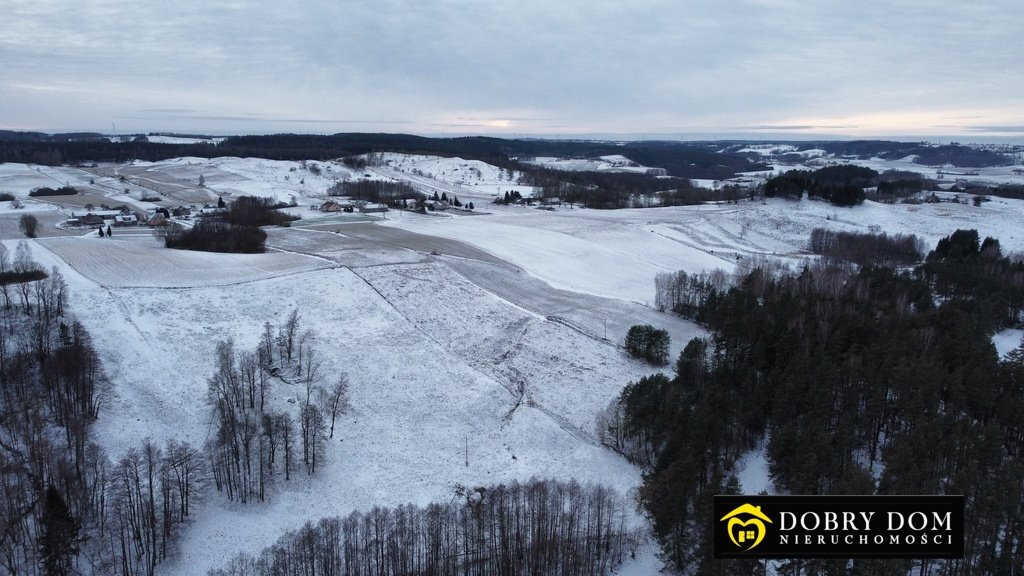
(213, 236)
(62, 191)
(255, 211)
(648, 343)
(28, 224)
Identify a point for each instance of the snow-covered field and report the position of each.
(609, 163)
(449, 170)
(438, 362)
(569, 250)
(134, 262)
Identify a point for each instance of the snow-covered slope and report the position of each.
(438, 363)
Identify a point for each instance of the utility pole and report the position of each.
(467, 451)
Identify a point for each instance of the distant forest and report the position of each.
(680, 159)
(927, 155)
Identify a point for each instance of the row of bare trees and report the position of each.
(684, 293)
(863, 248)
(151, 492)
(255, 444)
(540, 527)
(64, 507)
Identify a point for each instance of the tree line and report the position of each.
(924, 154)
(684, 293)
(47, 191)
(539, 527)
(65, 508)
(237, 230)
(848, 381)
(680, 159)
(841, 185)
(864, 248)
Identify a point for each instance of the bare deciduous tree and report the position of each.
(335, 399)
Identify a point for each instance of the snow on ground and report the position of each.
(646, 563)
(449, 170)
(814, 159)
(767, 149)
(752, 472)
(20, 179)
(610, 163)
(277, 179)
(160, 139)
(617, 253)
(27, 206)
(595, 256)
(789, 223)
(535, 359)
(434, 363)
(468, 179)
(129, 261)
(1007, 341)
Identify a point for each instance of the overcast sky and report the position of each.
(558, 67)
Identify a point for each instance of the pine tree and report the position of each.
(58, 541)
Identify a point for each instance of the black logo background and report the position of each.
(772, 547)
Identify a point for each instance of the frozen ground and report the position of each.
(487, 330)
(593, 253)
(141, 262)
(1007, 341)
(436, 363)
(610, 163)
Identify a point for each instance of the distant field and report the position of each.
(48, 220)
(123, 263)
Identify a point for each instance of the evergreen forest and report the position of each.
(848, 380)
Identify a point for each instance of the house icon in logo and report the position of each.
(745, 526)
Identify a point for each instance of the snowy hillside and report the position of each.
(492, 333)
(609, 163)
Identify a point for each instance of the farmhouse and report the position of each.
(126, 220)
(373, 208)
(336, 206)
(94, 218)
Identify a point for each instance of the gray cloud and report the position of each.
(595, 66)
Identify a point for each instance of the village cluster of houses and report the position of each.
(352, 206)
(340, 205)
(128, 217)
